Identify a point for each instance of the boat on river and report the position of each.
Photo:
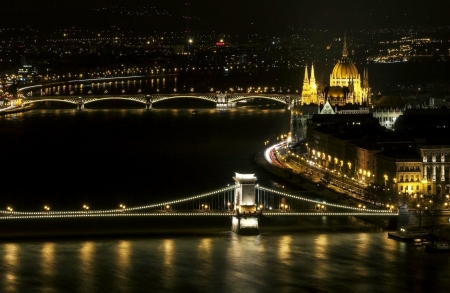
(409, 234)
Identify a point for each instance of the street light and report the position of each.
(47, 208)
(86, 208)
(10, 209)
(228, 205)
(122, 206)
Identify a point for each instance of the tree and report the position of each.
(418, 202)
(428, 206)
(377, 193)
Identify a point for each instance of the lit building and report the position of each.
(309, 91)
(400, 171)
(435, 168)
(346, 85)
(387, 109)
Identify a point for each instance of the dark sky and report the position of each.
(229, 16)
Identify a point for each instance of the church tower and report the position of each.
(309, 91)
(313, 87)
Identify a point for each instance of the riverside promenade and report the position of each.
(311, 178)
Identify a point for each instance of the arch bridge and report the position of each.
(226, 100)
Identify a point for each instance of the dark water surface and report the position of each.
(224, 262)
(64, 158)
(103, 158)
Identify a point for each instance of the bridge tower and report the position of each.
(245, 221)
(80, 103)
(148, 102)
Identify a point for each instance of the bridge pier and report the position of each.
(80, 103)
(148, 103)
(246, 219)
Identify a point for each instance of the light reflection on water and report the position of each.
(86, 266)
(224, 262)
(10, 260)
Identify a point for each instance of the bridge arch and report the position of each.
(161, 98)
(88, 100)
(30, 101)
(280, 99)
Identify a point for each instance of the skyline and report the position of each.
(230, 17)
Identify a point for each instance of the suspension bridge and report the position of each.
(244, 202)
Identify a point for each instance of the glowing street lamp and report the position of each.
(122, 206)
(47, 208)
(86, 208)
(10, 209)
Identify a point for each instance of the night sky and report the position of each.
(227, 16)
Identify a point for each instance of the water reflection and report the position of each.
(86, 266)
(284, 249)
(10, 262)
(321, 246)
(362, 245)
(167, 249)
(123, 263)
(48, 259)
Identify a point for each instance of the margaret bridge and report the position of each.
(224, 100)
(244, 202)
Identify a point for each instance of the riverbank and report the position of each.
(16, 110)
(316, 186)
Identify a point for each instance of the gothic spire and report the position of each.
(344, 50)
(313, 78)
(306, 79)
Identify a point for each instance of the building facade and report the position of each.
(346, 85)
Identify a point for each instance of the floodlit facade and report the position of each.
(346, 85)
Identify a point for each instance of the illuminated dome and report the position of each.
(345, 69)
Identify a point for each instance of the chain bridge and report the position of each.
(226, 100)
(245, 202)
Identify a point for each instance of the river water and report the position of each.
(64, 159)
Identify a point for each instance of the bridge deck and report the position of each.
(218, 213)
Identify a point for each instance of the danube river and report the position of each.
(103, 158)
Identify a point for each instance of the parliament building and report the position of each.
(346, 85)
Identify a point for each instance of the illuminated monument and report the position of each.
(309, 92)
(245, 221)
(346, 86)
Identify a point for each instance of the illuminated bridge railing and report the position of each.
(217, 203)
(266, 204)
(362, 213)
(216, 200)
